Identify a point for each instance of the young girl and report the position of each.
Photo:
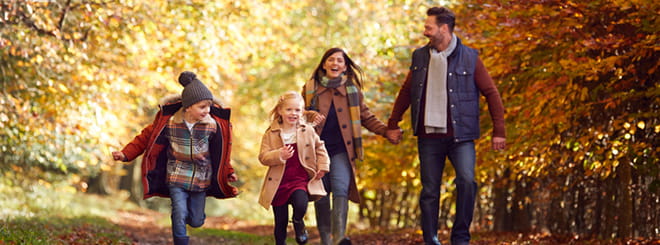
(186, 154)
(296, 160)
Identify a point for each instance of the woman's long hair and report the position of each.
(353, 71)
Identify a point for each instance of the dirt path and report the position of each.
(143, 227)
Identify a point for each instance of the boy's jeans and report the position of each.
(187, 208)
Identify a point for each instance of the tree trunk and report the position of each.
(106, 182)
(625, 212)
(598, 212)
(519, 208)
(132, 182)
(501, 216)
(610, 208)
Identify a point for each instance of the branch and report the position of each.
(28, 21)
(63, 15)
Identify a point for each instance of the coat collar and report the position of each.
(428, 47)
(178, 118)
(340, 89)
(276, 126)
(171, 105)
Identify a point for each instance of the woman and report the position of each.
(334, 90)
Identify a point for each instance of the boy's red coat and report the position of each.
(154, 161)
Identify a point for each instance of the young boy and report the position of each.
(186, 154)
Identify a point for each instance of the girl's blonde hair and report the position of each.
(275, 115)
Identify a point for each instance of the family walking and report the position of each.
(314, 140)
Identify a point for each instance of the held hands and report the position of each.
(318, 119)
(313, 117)
(394, 135)
(118, 156)
(499, 143)
(286, 152)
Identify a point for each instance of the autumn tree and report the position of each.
(581, 90)
(80, 78)
(580, 86)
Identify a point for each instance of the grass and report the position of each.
(233, 237)
(61, 230)
(58, 214)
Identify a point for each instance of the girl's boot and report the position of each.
(301, 233)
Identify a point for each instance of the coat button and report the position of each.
(336, 93)
(348, 142)
(269, 178)
(340, 109)
(343, 126)
(307, 145)
(306, 158)
(303, 130)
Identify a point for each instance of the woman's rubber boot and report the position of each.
(345, 241)
(181, 240)
(301, 233)
(322, 210)
(339, 216)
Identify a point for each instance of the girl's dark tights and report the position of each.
(299, 201)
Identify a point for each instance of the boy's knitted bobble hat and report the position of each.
(193, 89)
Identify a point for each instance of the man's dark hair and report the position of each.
(442, 16)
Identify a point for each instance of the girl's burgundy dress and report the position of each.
(294, 178)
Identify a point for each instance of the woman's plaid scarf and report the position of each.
(311, 103)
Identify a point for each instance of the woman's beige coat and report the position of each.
(313, 157)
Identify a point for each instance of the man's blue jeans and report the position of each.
(187, 208)
(432, 156)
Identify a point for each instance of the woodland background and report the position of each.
(579, 81)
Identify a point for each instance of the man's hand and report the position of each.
(499, 143)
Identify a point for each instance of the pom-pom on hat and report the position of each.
(193, 89)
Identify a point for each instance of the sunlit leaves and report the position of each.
(578, 78)
(579, 83)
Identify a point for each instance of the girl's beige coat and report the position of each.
(311, 151)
